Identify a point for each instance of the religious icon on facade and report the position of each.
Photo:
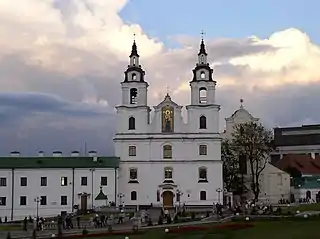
(167, 119)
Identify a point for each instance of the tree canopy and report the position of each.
(253, 142)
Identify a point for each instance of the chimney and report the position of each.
(95, 158)
(313, 155)
(57, 153)
(15, 153)
(75, 153)
(40, 153)
(92, 153)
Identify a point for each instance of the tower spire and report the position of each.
(202, 46)
(134, 49)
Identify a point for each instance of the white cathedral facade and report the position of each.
(165, 161)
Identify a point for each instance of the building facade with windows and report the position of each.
(48, 186)
(165, 160)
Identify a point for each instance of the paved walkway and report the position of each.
(116, 227)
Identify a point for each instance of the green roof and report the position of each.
(101, 196)
(58, 162)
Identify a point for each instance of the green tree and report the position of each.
(253, 140)
(231, 174)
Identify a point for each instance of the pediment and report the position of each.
(167, 102)
(241, 113)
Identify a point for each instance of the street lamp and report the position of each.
(92, 185)
(37, 200)
(179, 194)
(120, 195)
(219, 190)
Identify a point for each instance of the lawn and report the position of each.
(261, 230)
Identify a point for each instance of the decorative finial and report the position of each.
(167, 89)
(202, 34)
(134, 36)
(202, 45)
(101, 188)
(241, 103)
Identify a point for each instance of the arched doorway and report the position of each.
(308, 194)
(167, 197)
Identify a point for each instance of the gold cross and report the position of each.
(134, 36)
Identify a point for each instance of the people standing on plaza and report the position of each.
(120, 221)
(25, 224)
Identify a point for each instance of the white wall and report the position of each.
(275, 184)
(182, 148)
(53, 190)
(185, 176)
(210, 112)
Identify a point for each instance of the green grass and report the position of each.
(9, 227)
(261, 230)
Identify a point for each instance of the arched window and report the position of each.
(133, 195)
(133, 95)
(132, 150)
(203, 195)
(168, 173)
(167, 151)
(202, 75)
(202, 95)
(203, 149)
(134, 76)
(203, 174)
(202, 122)
(132, 123)
(134, 61)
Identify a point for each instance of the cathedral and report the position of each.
(167, 161)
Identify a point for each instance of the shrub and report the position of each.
(193, 215)
(160, 220)
(169, 220)
(207, 214)
(85, 232)
(176, 219)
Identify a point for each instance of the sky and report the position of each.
(62, 61)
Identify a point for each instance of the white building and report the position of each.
(48, 186)
(166, 160)
(275, 183)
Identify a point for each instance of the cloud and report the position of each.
(61, 64)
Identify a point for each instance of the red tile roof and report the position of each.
(302, 162)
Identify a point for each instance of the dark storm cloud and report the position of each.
(15, 105)
(282, 106)
(228, 48)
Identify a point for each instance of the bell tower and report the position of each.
(133, 113)
(203, 112)
(134, 87)
(202, 85)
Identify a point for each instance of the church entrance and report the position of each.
(167, 199)
(84, 203)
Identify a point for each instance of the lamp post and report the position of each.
(37, 200)
(120, 195)
(179, 194)
(92, 185)
(219, 190)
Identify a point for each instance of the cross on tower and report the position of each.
(167, 89)
(202, 34)
(134, 36)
